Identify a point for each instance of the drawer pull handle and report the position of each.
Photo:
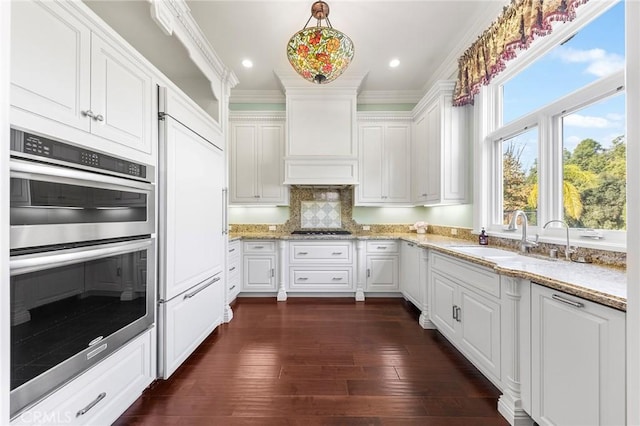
(303, 252)
(91, 404)
(454, 311)
(368, 273)
(258, 247)
(302, 278)
(567, 301)
(337, 278)
(273, 272)
(190, 295)
(233, 268)
(232, 250)
(382, 247)
(458, 311)
(336, 253)
(232, 287)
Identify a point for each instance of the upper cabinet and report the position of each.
(65, 77)
(256, 165)
(384, 163)
(441, 145)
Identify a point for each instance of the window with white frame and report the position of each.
(558, 144)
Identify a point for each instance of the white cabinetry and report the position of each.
(66, 76)
(440, 169)
(413, 283)
(259, 266)
(382, 266)
(384, 163)
(578, 360)
(465, 308)
(99, 395)
(256, 162)
(321, 266)
(234, 270)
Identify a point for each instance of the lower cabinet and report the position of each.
(577, 360)
(102, 393)
(412, 278)
(234, 270)
(466, 310)
(187, 320)
(259, 266)
(382, 266)
(321, 266)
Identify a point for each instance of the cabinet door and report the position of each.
(410, 277)
(371, 164)
(244, 166)
(577, 360)
(442, 304)
(188, 320)
(120, 98)
(433, 163)
(271, 149)
(479, 330)
(397, 146)
(50, 62)
(259, 273)
(382, 273)
(420, 157)
(192, 209)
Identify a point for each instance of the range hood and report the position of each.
(322, 134)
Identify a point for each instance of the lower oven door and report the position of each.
(71, 308)
(50, 204)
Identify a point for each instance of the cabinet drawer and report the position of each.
(234, 248)
(255, 247)
(382, 247)
(319, 279)
(115, 383)
(468, 274)
(320, 252)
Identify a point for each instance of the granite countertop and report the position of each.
(607, 286)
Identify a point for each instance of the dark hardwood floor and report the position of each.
(321, 362)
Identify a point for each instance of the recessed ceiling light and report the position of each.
(394, 63)
(247, 63)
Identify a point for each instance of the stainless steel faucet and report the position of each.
(568, 250)
(525, 244)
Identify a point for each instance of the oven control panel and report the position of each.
(43, 147)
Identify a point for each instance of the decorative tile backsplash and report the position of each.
(320, 214)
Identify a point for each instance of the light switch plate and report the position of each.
(366, 228)
(272, 227)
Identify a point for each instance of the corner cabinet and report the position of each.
(577, 360)
(256, 160)
(67, 78)
(440, 151)
(384, 162)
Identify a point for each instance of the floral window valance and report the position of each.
(515, 29)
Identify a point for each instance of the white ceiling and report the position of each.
(427, 36)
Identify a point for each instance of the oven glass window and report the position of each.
(57, 313)
(40, 203)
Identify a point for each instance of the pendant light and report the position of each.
(320, 53)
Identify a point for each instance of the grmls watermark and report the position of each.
(47, 417)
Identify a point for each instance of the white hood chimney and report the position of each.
(322, 133)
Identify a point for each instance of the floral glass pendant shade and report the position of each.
(320, 54)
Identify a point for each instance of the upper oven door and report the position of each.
(58, 205)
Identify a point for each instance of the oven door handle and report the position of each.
(38, 171)
(54, 259)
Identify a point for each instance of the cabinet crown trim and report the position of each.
(403, 116)
(257, 116)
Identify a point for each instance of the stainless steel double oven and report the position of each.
(83, 260)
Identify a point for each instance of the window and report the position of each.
(558, 145)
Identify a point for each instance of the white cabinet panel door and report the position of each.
(50, 62)
(121, 95)
(270, 162)
(433, 164)
(244, 154)
(577, 360)
(443, 303)
(259, 273)
(371, 164)
(382, 273)
(397, 161)
(193, 198)
(420, 154)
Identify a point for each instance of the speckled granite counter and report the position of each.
(599, 284)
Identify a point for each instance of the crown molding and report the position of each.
(400, 116)
(437, 89)
(390, 96)
(267, 116)
(257, 97)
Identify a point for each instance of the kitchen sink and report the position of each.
(484, 252)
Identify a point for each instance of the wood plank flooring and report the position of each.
(321, 362)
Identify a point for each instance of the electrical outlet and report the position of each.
(229, 226)
(366, 228)
(454, 231)
(272, 227)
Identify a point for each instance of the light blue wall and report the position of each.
(256, 215)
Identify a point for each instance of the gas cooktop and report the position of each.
(321, 232)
